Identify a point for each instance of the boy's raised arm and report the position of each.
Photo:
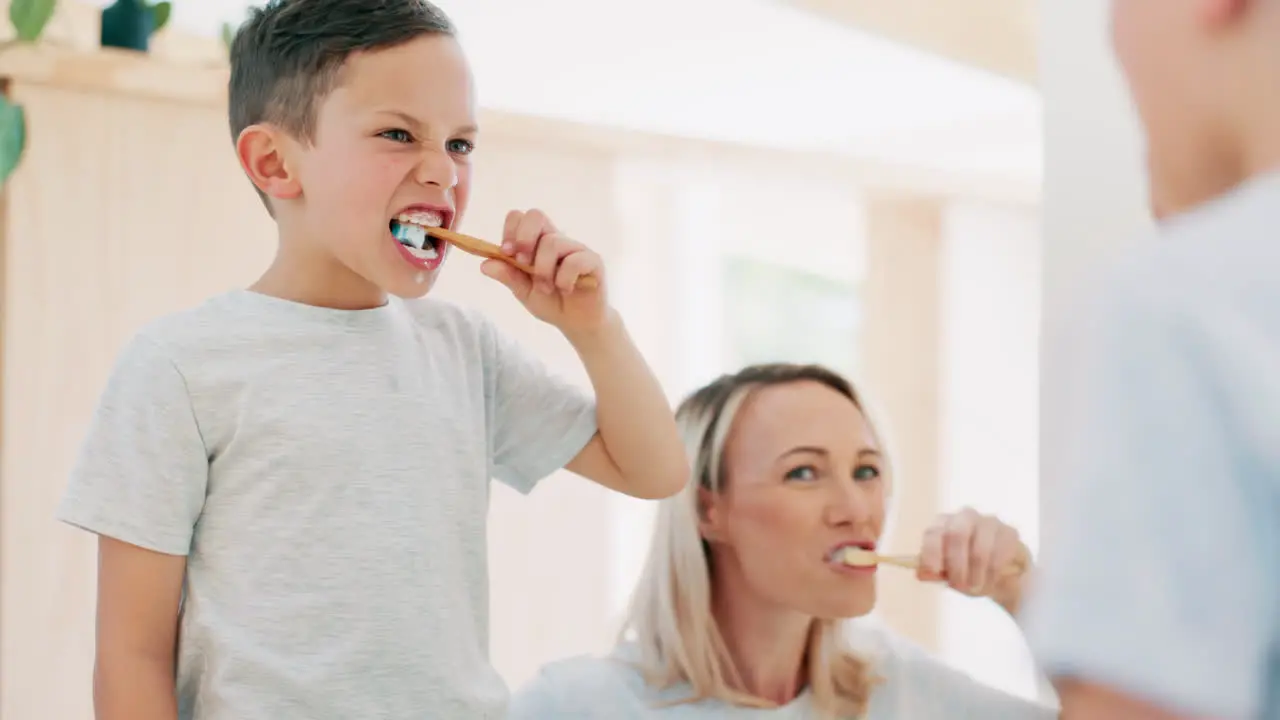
(637, 450)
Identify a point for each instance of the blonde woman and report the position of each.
(740, 611)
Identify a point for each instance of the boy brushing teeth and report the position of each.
(410, 230)
(272, 542)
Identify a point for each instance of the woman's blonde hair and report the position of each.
(670, 618)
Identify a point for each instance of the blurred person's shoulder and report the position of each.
(1192, 314)
(1205, 285)
(1201, 286)
(1217, 259)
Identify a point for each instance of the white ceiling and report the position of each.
(999, 35)
(750, 71)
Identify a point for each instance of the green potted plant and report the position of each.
(29, 18)
(228, 35)
(130, 24)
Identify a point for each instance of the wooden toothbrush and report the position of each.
(485, 249)
(860, 557)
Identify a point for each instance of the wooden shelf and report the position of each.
(113, 71)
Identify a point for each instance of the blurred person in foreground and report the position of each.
(1160, 594)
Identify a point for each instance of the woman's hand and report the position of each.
(977, 555)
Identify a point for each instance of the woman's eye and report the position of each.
(400, 136)
(866, 472)
(461, 147)
(802, 473)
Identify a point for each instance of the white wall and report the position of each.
(990, 445)
(1094, 194)
(1094, 187)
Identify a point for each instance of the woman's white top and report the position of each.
(915, 686)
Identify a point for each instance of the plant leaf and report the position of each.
(30, 16)
(228, 35)
(13, 137)
(160, 14)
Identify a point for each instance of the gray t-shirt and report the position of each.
(914, 686)
(327, 474)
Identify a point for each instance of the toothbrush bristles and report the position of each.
(858, 557)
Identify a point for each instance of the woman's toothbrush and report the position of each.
(861, 557)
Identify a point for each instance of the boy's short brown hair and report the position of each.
(288, 54)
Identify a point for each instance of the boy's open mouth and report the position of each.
(409, 228)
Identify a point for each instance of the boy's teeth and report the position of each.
(410, 230)
(412, 236)
(425, 218)
(429, 253)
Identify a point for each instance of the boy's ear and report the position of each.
(264, 155)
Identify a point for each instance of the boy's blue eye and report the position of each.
(461, 147)
(400, 136)
(866, 472)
